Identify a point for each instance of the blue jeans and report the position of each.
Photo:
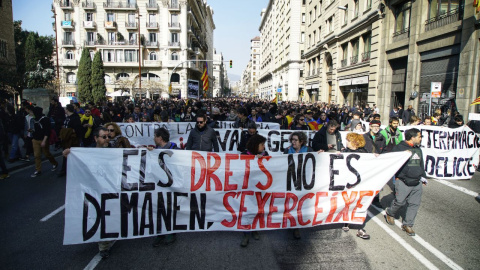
(15, 151)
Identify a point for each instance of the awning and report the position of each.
(119, 93)
(315, 86)
(345, 82)
(360, 80)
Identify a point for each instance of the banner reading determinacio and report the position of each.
(132, 193)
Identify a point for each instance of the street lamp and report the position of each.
(139, 40)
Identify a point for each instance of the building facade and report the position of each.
(425, 42)
(7, 41)
(220, 78)
(281, 64)
(155, 36)
(341, 51)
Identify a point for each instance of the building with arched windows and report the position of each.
(171, 33)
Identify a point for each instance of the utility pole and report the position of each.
(56, 46)
(139, 57)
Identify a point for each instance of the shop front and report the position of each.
(354, 91)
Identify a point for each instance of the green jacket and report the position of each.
(398, 136)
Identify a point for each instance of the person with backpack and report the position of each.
(41, 132)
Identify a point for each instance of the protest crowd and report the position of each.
(97, 125)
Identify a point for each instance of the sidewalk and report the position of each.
(19, 164)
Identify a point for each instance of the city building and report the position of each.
(7, 42)
(341, 51)
(425, 42)
(281, 28)
(220, 77)
(147, 37)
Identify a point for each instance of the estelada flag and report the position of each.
(205, 77)
(476, 5)
(477, 100)
(314, 125)
(274, 100)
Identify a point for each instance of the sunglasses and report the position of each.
(111, 130)
(105, 137)
(200, 122)
(302, 119)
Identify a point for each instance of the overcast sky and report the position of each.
(236, 23)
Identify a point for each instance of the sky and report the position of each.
(236, 23)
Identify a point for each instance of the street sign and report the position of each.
(436, 89)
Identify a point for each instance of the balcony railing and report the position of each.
(130, 25)
(91, 43)
(365, 56)
(122, 43)
(151, 6)
(110, 25)
(354, 60)
(444, 19)
(119, 5)
(68, 24)
(174, 25)
(149, 43)
(173, 6)
(152, 25)
(88, 5)
(343, 63)
(173, 44)
(68, 42)
(400, 35)
(66, 5)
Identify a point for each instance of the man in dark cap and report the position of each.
(374, 141)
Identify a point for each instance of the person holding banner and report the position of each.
(328, 138)
(408, 187)
(246, 135)
(202, 137)
(162, 141)
(256, 147)
(116, 138)
(392, 134)
(356, 144)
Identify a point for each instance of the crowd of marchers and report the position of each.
(95, 125)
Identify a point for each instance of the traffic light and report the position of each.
(230, 63)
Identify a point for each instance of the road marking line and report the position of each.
(424, 243)
(459, 188)
(47, 217)
(402, 242)
(93, 263)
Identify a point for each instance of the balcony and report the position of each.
(69, 63)
(68, 43)
(343, 63)
(91, 43)
(174, 26)
(121, 43)
(152, 26)
(151, 44)
(151, 6)
(401, 35)
(152, 63)
(353, 60)
(198, 51)
(174, 44)
(68, 24)
(133, 63)
(173, 6)
(110, 25)
(130, 25)
(88, 5)
(66, 5)
(89, 25)
(365, 56)
(444, 19)
(119, 6)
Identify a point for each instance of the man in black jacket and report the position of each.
(202, 137)
(328, 138)
(42, 128)
(408, 184)
(374, 141)
(71, 134)
(407, 114)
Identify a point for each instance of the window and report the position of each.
(174, 37)
(174, 56)
(302, 37)
(70, 94)
(310, 17)
(107, 79)
(69, 55)
(330, 24)
(108, 56)
(131, 18)
(68, 16)
(319, 33)
(71, 77)
(440, 7)
(89, 17)
(315, 13)
(367, 42)
(90, 36)
(67, 36)
(355, 10)
(309, 40)
(345, 51)
(132, 38)
(402, 16)
(345, 15)
(355, 47)
(110, 17)
(153, 56)
(153, 37)
(130, 56)
(174, 20)
(111, 37)
(303, 17)
(314, 35)
(151, 17)
(122, 76)
(369, 4)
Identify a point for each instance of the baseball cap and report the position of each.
(375, 122)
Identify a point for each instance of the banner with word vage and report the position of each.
(448, 153)
(131, 193)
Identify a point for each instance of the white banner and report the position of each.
(132, 193)
(449, 154)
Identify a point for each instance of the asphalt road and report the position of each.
(447, 237)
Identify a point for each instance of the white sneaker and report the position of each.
(35, 174)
